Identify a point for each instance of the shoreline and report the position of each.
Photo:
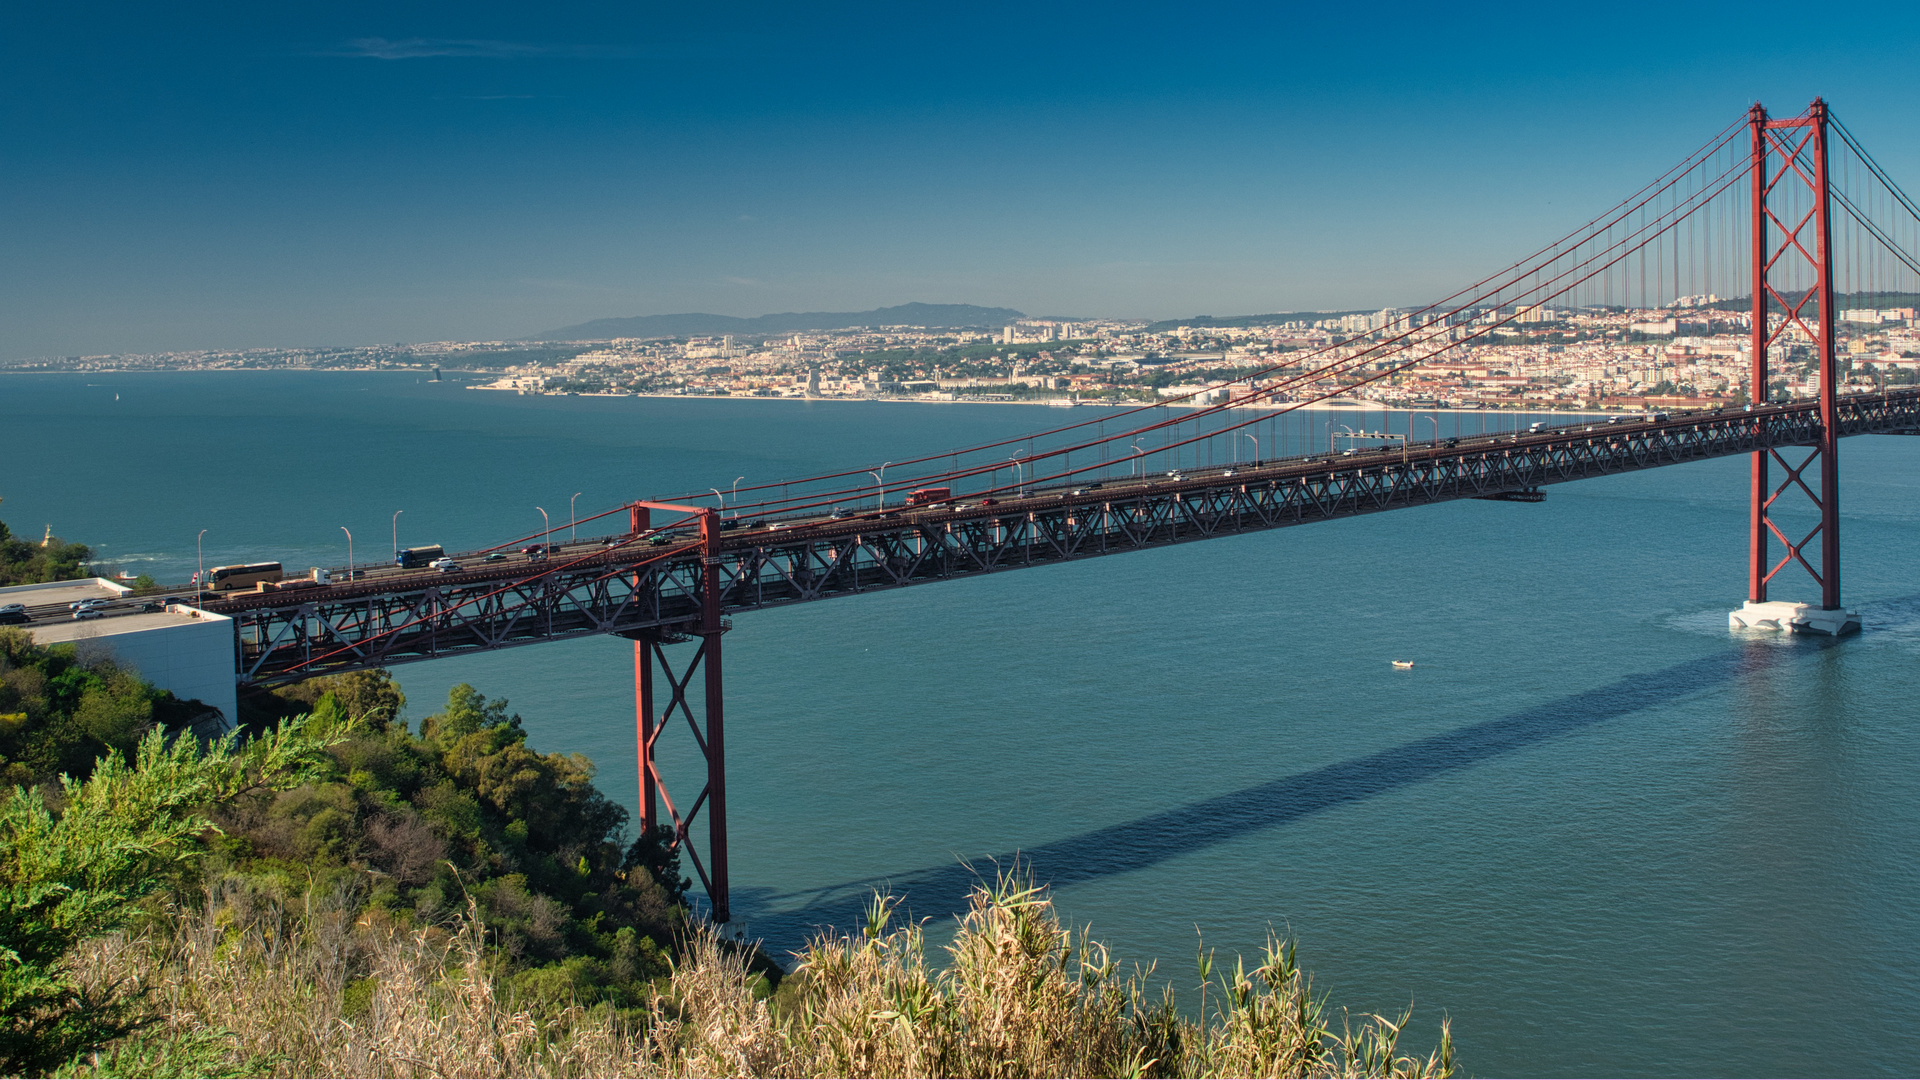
(1347, 405)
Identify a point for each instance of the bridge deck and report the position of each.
(625, 585)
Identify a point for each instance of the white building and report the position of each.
(180, 648)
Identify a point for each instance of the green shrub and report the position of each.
(80, 866)
(416, 825)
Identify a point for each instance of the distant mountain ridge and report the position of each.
(956, 316)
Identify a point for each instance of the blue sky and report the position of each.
(267, 174)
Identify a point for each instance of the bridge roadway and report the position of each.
(637, 586)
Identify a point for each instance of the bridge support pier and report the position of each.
(1793, 618)
(650, 658)
(649, 650)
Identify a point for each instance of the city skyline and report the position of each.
(222, 179)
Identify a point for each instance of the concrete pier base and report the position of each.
(1794, 618)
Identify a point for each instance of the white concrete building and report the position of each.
(180, 648)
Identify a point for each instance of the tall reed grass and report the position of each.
(241, 987)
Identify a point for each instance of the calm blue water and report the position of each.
(1599, 832)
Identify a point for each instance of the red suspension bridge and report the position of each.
(1790, 213)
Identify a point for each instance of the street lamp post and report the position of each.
(1435, 420)
(396, 534)
(1143, 465)
(1019, 475)
(200, 579)
(880, 483)
(349, 533)
(572, 532)
(1256, 445)
(736, 495)
(546, 538)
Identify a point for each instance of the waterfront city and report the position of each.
(1693, 353)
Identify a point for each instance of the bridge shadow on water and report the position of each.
(784, 919)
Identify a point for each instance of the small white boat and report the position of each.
(1403, 664)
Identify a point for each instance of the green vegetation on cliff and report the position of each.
(82, 858)
(412, 825)
(28, 562)
(407, 830)
(331, 893)
(60, 713)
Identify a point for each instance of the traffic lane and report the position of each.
(371, 584)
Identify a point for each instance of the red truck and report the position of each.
(928, 496)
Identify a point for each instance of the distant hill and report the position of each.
(659, 326)
(1228, 321)
(1842, 301)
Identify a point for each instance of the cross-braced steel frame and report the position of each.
(649, 652)
(709, 737)
(1793, 153)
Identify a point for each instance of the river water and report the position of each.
(1597, 831)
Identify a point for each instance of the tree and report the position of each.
(411, 824)
(25, 563)
(82, 866)
(59, 713)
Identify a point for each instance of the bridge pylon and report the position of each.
(1791, 195)
(650, 657)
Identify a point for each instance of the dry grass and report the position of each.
(250, 989)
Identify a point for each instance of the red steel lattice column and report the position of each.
(643, 732)
(1757, 485)
(639, 519)
(1829, 369)
(711, 628)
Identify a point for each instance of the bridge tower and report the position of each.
(651, 657)
(1792, 238)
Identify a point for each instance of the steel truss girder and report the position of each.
(286, 637)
